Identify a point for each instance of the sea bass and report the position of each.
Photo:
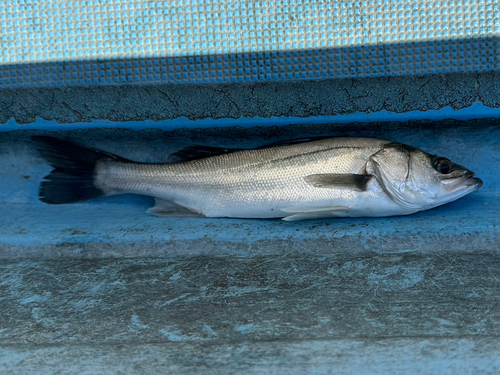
(296, 180)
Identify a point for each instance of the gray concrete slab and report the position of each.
(337, 313)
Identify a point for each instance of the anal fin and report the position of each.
(312, 212)
(164, 208)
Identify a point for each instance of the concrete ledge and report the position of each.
(300, 99)
(412, 355)
(337, 313)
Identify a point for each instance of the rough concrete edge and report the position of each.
(477, 242)
(267, 99)
(426, 355)
(260, 135)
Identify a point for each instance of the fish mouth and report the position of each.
(469, 182)
(476, 182)
(465, 184)
(468, 175)
(462, 186)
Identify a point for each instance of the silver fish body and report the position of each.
(333, 177)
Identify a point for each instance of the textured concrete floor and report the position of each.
(338, 314)
(104, 288)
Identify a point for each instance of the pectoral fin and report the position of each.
(312, 212)
(164, 208)
(358, 182)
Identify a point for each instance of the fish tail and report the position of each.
(72, 180)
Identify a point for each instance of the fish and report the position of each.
(311, 178)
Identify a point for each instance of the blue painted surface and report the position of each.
(123, 220)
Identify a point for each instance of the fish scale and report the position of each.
(252, 183)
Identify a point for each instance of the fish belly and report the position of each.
(279, 201)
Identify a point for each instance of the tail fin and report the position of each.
(72, 180)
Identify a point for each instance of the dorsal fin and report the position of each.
(201, 152)
(295, 141)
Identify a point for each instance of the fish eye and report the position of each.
(442, 165)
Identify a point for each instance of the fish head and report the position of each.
(417, 180)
